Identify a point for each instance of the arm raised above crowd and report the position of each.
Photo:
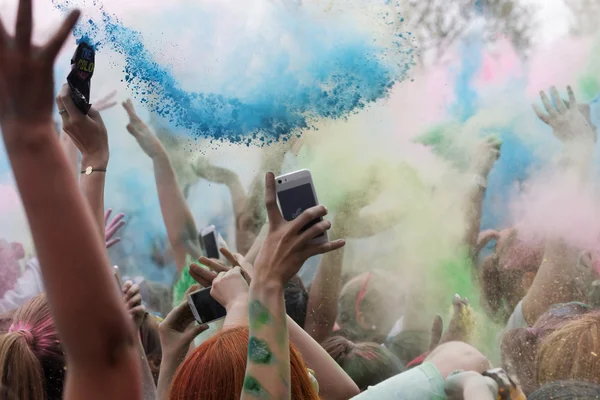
(181, 228)
(95, 330)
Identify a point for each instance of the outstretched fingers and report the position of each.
(324, 248)
(558, 102)
(572, 99)
(24, 25)
(307, 216)
(541, 115)
(51, 49)
(548, 104)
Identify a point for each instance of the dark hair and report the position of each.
(296, 300)
(501, 272)
(567, 390)
(366, 363)
(408, 345)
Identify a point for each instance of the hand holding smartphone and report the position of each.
(208, 238)
(296, 193)
(204, 307)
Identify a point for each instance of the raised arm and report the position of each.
(88, 134)
(486, 155)
(555, 281)
(325, 290)
(231, 290)
(181, 228)
(91, 319)
(284, 251)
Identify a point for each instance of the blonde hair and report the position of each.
(31, 358)
(571, 352)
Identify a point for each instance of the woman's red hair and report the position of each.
(215, 370)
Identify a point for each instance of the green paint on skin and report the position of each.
(259, 315)
(259, 352)
(254, 388)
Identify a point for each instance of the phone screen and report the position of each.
(210, 245)
(295, 201)
(204, 307)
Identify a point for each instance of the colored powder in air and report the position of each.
(329, 71)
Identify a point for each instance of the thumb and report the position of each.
(436, 332)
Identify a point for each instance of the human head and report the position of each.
(215, 370)
(571, 352)
(519, 347)
(507, 274)
(366, 363)
(296, 300)
(32, 362)
(567, 390)
(408, 345)
(370, 305)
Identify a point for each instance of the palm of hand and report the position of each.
(565, 118)
(571, 125)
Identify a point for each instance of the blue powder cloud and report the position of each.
(342, 72)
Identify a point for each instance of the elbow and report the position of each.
(347, 391)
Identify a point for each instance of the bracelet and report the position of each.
(89, 170)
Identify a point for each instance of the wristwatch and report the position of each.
(90, 169)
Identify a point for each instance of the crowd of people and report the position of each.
(70, 329)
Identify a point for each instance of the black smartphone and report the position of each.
(209, 242)
(204, 307)
(79, 79)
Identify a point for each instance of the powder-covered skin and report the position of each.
(259, 352)
(340, 73)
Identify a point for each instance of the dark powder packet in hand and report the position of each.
(80, 77)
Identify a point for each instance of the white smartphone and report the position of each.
(296, 193)
(204, 307)
(117, 274)
(209, 242)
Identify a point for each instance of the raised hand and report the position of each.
(88, 132)
(26, 76)
(178, 330)
(461, 324)
(205, 169)
(111, 228)
(133, 300)
(487, 152)
(285, 248)
(564, 117)
(106, 102)
(141, 132)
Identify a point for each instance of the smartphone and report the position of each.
(296, 193)
(118, 278)
(79, 79)
(209, 242)
(204, 307)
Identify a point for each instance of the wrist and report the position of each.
(241, 301)
(96, 160)
(267, 285)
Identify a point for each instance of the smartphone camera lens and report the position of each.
(279, 181)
